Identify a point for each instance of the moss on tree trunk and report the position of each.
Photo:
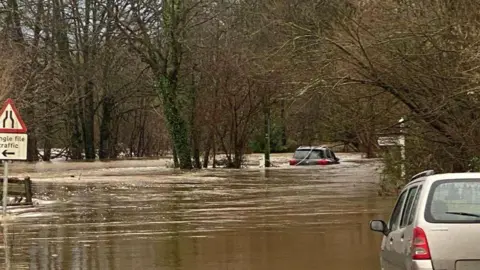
(176, 124)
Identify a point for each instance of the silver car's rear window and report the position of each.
(314, 154)
(318, 154)
(300, 154)
(454, 201)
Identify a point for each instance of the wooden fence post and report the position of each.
(28, 190)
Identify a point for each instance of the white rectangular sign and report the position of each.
(13, 146)
(386, 141)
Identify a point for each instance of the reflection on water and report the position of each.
(302, 218)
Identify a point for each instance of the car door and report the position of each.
(408, 234)
(388, 250)
(402, 237)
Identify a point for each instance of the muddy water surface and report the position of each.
(285, 218)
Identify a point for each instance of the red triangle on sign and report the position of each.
(10, 119)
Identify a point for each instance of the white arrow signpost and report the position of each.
(397, 141)
(13, 141)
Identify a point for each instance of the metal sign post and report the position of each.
(13, 142)
(402, 146)
(397, 141)
(6, 246)
(5, 186)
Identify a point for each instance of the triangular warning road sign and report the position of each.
(10, 120)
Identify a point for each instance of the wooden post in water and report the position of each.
(28, 189)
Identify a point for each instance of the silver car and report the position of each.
(435, 224)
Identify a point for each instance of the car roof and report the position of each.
(312, 147)
(451, 176)
(446, 176)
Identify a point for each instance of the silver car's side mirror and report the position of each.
(379, 226)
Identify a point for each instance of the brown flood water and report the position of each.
(283, 219)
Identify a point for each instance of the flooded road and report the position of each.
(284, 218)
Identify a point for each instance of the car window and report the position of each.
(394, 219)
(329, 154)
(301, 154)
(412, 192)
(317, 154)
(413, 212)
(454, 201)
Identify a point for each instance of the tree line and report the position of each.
(101, 79)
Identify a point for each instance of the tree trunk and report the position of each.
(208, 146)
(196, 155)
(87, 45)
(284, 124)
(214, 147)
(206, 156)
(238, 158)
(194, 131)
(89, 122)
(141, 136)
(267, 135)
(105, 126)
(173, 18)
(60, 35)
(47, 136)
(106, 147)
(76, 136)
(113, 149)
(47, 149)
(13, 21)
(176, 164)
(32, 152)
(180, 138)
(47, 140)
(177, 125)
